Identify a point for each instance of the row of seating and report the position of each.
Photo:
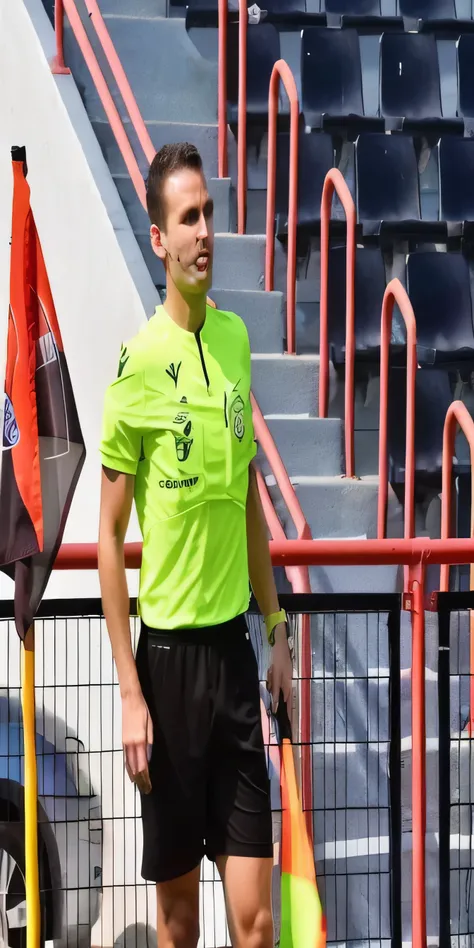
(331, 80)
(439, 287)
(437, 16)
(385, 184)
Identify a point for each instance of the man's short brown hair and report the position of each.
(169, 159)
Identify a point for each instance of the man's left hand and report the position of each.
(280, 672)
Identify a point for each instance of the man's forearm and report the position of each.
(116, 605)
(261, 575)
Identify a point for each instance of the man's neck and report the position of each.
(189, 314)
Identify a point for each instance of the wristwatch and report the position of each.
(272, 621)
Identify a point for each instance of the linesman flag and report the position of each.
(43, 449)
(303, 924)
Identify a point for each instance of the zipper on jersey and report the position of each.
(203, 363)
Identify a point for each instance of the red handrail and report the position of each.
(457, 414)
(108, 103)
(395, 293)
(222, 157)
(410, 552)
(281, 71)
(334, 182)
(298, 576)
(242, 106)
(58, 66)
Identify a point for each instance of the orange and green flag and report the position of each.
(303, 924)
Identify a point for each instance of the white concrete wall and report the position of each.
(100, 284)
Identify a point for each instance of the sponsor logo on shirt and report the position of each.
(237, 414)
(174, 484)
(173, 372)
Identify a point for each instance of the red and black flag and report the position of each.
(43, 449)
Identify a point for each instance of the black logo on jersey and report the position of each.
(186, 482)
(183, 442)
(124, 357)
(183, 400)
(237, 414)
(173, 372)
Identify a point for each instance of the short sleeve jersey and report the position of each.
(178, 417)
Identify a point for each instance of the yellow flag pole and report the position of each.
(33, 914)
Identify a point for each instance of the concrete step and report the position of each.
(239, 261)
(307, 446)
(286, 384)
(219, 189)
(338, 508)
(263, 314)
(151, 49)
(139, 8)
(204, 137)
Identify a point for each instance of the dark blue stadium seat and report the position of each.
(432, 399)
(203, 13)
(331, 80)
(410, 94)
(315, 158)
(435, 16)
(369, 290)
(387, 188)
(466, 76)
(363, 15)
(439, 288)
(263, 51)
(456, 185)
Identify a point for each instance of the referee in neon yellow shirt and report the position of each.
(178, 440)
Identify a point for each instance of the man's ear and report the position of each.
(155, 238)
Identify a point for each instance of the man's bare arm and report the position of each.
(116, 503)
(264, 589)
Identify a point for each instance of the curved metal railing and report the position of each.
(395, 293)
(282, 72)
(334, 182)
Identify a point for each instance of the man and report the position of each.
(178, 439)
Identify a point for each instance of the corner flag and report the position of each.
(303, 924)
(42, 446)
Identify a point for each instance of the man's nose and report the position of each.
(203, 232)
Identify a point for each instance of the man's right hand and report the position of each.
(137, 739)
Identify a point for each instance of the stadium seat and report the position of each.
(410, 94)
(315, 158)
(263, 51)
(369, 290)
(203, 13)
(439, 288)
(387, 188)
(432, 400)
(466, 76)
(456, 185)
(435, 16)
(331, 80)
(363, 15)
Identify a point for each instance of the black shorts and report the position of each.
(210, 786)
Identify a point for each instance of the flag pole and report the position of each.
(33, 914)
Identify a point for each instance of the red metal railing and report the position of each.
(100, 83)
(396, 293)
(413, 552)
(242, 107)
(281, 71)
(457, 415)
(334, 182)
(298, 576)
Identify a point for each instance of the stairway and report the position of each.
(174, 79)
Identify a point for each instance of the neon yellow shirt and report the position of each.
(178, 417)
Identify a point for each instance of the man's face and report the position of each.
(186, 242)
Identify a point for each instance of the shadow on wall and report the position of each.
(137, 936)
